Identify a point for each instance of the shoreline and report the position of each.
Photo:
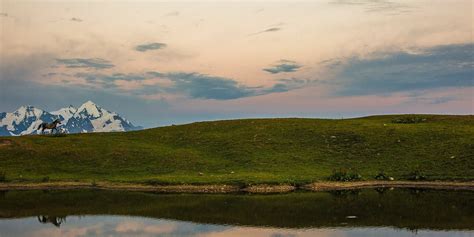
(226, 188)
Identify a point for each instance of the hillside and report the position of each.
(251, 151)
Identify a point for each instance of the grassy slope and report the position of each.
(256, 150)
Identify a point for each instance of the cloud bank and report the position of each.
(190, 84)
(448, 66)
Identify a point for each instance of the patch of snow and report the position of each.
(88, 108)
(66, 113)
(33, 128)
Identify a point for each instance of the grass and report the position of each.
(251, 151)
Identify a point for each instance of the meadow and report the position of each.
(252, 151)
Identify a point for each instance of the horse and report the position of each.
(52, 126)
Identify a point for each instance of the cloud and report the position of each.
(272, 29)
(174, 13)
(449, 66)
(208, 87)
(149, 46)
(190, 84)
(95, 63)
(377, 6)
(283, 66)
(76, 19)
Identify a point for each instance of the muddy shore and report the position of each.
(225, 188)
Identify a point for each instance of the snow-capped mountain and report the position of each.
(25, 120)
(65, 113)
(92, 118)
(89, 117)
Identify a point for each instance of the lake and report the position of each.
(368, 212)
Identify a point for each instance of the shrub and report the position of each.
(45, 179)
(409, 119)
(416, 176)
(343, 175)
(382, 176)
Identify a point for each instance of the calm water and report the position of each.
(382, 212)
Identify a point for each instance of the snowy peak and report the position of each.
(28, 111)
(89, 117)
(65, 113)
(89, 109)
(24, 120)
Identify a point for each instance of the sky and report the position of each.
(159, 63)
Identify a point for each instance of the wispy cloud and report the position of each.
(76, 19)
(149, 46)
(174, 13)
(438, 67)
(283, 66)
(94, 63)
(380, 6)
(433, 100)
(272, 29)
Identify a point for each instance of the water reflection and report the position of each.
(378, 212)
(122, 226)
(55, 220)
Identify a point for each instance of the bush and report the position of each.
(382, 176)
(45, 179)
(3, 176)
(343, 175)
(416, 176)
(409, 119)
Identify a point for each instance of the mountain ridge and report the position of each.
(89, 117)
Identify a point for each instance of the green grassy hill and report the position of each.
(251, 151)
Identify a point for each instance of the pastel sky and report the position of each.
(159, 63)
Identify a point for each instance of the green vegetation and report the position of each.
(383, 176)
(409, 119)
(344, 175)
(416, 176)
(403, 208)
(291, 151)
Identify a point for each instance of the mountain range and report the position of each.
(89, 117)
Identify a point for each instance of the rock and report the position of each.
(333, 137)
(391, 178)
(452, 157)
(201, 174)
(351, 217)
(232, 172)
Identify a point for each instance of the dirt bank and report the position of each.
(223, 188)
(322, 186)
